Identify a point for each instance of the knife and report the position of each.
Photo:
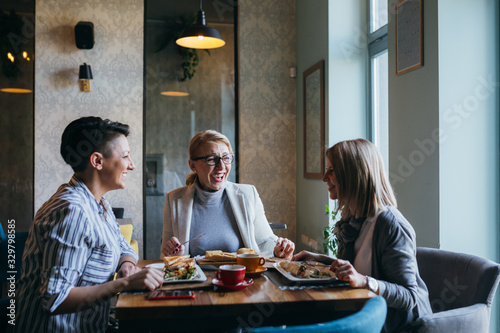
(192, 239)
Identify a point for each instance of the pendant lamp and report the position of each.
(200, 36)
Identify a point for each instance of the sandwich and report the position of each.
(179, 268)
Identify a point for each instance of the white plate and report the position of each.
(201, 276)
(293, 278)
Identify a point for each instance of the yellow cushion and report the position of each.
(126, 230)
(134, 245)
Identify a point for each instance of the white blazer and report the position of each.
(247, 209)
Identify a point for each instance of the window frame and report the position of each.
(377, 43)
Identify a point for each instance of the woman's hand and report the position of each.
(310, 256)
(147, 278)
(81, 298)
(127, 269)
(173, 247)
(344, 271)
(306, 256)
(284, 248)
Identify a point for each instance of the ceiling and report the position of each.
(215, 11)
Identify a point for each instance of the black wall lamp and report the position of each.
(85, 76)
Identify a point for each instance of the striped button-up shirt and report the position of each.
(74, 242)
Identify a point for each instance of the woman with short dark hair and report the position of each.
(74, 245)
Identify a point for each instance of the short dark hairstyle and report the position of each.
(87, 135)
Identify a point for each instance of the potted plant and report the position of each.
(330, 242)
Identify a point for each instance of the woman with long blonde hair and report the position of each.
(376, 244)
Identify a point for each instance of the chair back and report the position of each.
(370, 319)
(456, 280)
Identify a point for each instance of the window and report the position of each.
(378, 73)
(378, 14)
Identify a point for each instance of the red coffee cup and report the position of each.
(231, 275)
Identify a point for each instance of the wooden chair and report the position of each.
(461, 290)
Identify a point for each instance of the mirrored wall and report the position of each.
(186, 91)
(17, 41)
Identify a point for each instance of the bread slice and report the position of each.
(291, 267)
(218, 255)
(244, 250)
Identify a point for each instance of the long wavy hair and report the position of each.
(362, 185)
(200, 139)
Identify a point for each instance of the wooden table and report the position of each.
(261, 304)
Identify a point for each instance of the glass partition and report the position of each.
(186, 91)
(17, 41)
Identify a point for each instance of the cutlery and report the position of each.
(192, 239)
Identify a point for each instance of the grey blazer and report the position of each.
(394, 265)
(247, 208)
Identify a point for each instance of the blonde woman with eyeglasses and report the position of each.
(377, 245)
(230, 216)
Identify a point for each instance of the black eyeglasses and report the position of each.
(214, 160)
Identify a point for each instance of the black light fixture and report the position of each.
(16, 83)
(200, 36)
(85, 76)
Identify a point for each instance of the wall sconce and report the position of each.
(84, 77)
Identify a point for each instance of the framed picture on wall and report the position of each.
(314, 126)
(409, 36)
(154, 174)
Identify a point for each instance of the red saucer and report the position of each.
(242, 285)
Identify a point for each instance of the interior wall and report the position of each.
(267, 129)
(468, 110)
(469, 120)
(312, 46)
(444, 127)
(414, 152)
(266, 109)
(341, 46)
(117, 88)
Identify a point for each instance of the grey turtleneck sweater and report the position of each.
(213, 215)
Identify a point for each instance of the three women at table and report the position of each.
(74, 245)
(377, 248)
(230, 216)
